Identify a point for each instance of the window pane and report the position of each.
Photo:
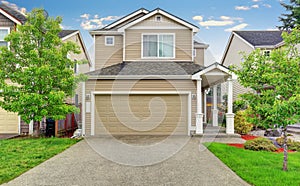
(149, 46)
(3, 43)
(3, 33)
(166, 46)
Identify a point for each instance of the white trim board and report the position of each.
(159, 11)
(10, 17)
(188, 93)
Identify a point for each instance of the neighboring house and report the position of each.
(150, 78)
(10, 123)
(244, 42)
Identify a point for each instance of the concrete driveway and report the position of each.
(82, 165)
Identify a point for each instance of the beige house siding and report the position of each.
(183, 46)
(199, 58)
(9, 122)
(164, 22)
(82, 68)
(139, 85)
(108, 55)
(235, 57)
(5, 22)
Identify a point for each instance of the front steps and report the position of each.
(215, 132)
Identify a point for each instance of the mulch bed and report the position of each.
(249, 137)
(237, 145)
(279, 150)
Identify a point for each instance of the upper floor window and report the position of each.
(158, 18)
(109, 40)
(4, 31)
(158, 46)
(267, 52)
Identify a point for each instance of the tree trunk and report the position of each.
(285, 150)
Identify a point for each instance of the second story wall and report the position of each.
(234, 55)
(5, 22)
(183, 38)
(107, 55)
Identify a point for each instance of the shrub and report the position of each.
(259, 144)
(241, 126)
(291, 144)
(239, 105)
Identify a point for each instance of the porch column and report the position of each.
(215, 108)
(205, 107)
(199, 114)
(229, 114)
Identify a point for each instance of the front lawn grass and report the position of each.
(19, 155)
(259, 167)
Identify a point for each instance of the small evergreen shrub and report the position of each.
(259, 144)
(291, 144)
(241, 126)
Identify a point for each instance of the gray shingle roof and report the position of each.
(64, 33)
(17, 15)
(261, 38)
(149, 68)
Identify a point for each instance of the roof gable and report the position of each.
(261, 38)
(164, 13)
(12, 14)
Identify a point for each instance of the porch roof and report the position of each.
(213, 75)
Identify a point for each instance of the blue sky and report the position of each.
(215, 18)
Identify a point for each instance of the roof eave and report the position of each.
(95, 77)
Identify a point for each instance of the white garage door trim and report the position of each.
(93, 93)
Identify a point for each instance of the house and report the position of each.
(245, 42)
(150, 78)
(10, 123)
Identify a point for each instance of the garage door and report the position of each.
(8, 122)
(141, 114)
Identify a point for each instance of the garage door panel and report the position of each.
(9, 122)
(139, 122)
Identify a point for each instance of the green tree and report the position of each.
(275, 80)
(36, 77)
(292, 19)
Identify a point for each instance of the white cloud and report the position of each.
(267, 5)
(256, 1)
(237, 27)
(22, 10)
(224, 17)
(222, 21)
(95, 22)
(216, 23)
(85, 16)
(198, 18)
(255, 6)
(242, 8)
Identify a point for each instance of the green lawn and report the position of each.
(20, 155)
(257, 167)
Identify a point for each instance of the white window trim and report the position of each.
(113, 40)
(157, 34)
(8, 29)
(194, 52)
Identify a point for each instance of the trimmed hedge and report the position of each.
(259, 144)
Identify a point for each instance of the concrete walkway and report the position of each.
(81, 165)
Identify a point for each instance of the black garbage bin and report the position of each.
(50, 127)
